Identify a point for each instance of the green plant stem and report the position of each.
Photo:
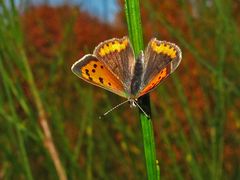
(48, 140)
(220, 116)
(22, 62)
(19, 134)
(132, 10)
(89, 130)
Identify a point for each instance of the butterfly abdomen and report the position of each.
(137, 75)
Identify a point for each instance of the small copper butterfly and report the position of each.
(112, 66)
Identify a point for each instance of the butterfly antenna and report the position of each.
(141, 109)
(115, 107)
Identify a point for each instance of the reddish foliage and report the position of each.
(90, 30)
(46, 29)
(42, 30)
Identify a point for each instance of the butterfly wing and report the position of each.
(118, 56)
(90, 69)
(161, 59)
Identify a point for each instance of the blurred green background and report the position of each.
(196, 112)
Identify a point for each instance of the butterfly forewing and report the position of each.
(118, 56)
(161, 59)
(90, 69)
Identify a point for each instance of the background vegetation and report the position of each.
(49, 126)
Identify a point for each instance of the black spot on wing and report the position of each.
(87, 72)
(101, 80)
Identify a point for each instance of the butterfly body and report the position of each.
(112, 66)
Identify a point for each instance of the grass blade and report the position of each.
(132, 10)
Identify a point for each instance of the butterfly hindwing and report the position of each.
(161, 59)
(118, 55)
(155, 80)
(90, 69)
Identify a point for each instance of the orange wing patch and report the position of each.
(155, 81)
(90, 69)
(113, 46)
(164, 48)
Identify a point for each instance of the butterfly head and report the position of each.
(132, 102)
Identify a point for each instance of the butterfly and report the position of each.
(114, 67)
